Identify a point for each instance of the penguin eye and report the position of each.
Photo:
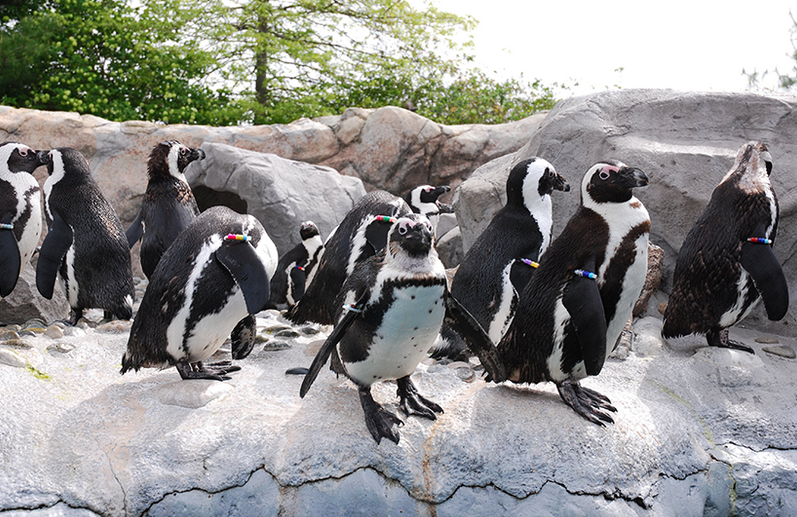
(23, 151)
(183, 151)
(604, 174)
(402, 229)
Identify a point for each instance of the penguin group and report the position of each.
(528, 306)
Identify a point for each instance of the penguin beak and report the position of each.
(559, 183)
(198, 154)
(632, 178)
(418, 240)
(43, 157)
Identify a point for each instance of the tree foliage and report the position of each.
(257, 61)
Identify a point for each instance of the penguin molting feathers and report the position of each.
(726, 264)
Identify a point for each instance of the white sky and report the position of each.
(684, 45)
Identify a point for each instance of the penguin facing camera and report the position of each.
(208, 285)
(726, 264)
(572, 311)
(389, 312)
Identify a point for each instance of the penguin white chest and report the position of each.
(407, 331)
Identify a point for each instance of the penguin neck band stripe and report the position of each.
(385, 219)
(530, 263)
(5, 226)
(585, 274)
(237, 237)
(352, 308)
(759, 240)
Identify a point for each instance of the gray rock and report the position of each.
(25, 303)
(449, 248)
(280, 193)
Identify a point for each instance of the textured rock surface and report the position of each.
(685, 142)
(25, 302)
(698, 432)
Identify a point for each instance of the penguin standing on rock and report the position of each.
(86, 243)
(501, 261)
(210, 283)
(572, 311)
(20, 211)
(295, 268)
(389, 312)
(726, 264)
(169, 205)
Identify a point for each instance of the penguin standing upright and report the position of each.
(501, 261)
(86, 243)
(169, 205)
(424, 200)
(389, 312)
(211, 282)
(572, 311)
(295, 268)
(726, 263)
(20, 211)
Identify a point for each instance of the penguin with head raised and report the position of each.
(501, 261)
(358, 236)
(726, 264)
(169, 205)
(85, 244)
(295, 268)
(424, 200)
(389, 312)
(210, 283)
(572, 311)
(20, 211)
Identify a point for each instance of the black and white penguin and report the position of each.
(210, 283)
(424, 200)
(20, 211)
(169, 205)
(389, 312)
(501, 261)
(358, 236)
(572, 311)
(85, 244)
(295, 268)
(726, 263)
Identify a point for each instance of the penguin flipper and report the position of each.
(463, 323)
(520, 274)
(582, 299)
(329, 345)
(135, 230)
(298, 278)
(241, 260)
(10, 260)
(243, 337)
(54, 247)
(759, 260)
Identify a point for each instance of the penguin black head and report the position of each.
(65, 162)
(19, 158)
(752, 168)
(532, 179)
(610, 181)
(411, 234)
(308, 230)
(170, 159)
(423, 200)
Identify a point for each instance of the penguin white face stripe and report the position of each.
(55, 177)
(174, 155)
(737, 311)
(539, 206)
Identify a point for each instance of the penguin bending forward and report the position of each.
(20, 211)
(726, 264)
(169, 205)
(295, 268)
(389, 312)
(501, 261)
(210, 282)
(85, 244)
(572, 311)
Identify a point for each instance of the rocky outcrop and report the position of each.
(685, 142)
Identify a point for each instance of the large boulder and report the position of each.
(685, 141)
(25, 303)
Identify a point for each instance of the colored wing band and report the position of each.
(585, 274)
(5, 226)
(530, 263)
(759, 240)
(351, 308)
(237, 237)
(300, 268)
(385, 219)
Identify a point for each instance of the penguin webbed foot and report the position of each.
(74, 316)
(213, 371)
(378, 420)
(586, 402)
(413, 403)
(720, 339)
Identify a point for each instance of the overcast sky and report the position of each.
(684, 45)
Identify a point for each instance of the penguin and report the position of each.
(20, 211)
(208, 285)
(501, 261)
(169, 205)
(423, 200)
(85, 244)
(726, 264)
(296, 267)
(389, 311)
(572, 311)
(358, 236)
